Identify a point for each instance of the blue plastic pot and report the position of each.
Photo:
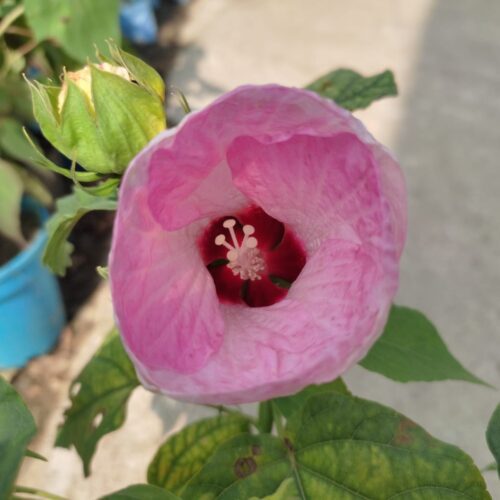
(31, 310)
(138, 22)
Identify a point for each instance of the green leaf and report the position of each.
(243, 467)
(14, 98)
(78, 25)
(352, 90)
(34, 454)
(410, 349)
(286, 491)
(340, 447)
(11, 193)
(493, 436)
(288, 405)
(141, 492)
(17, 427)
(184, 454)
(34, 187)
(69, 210)
(13, 143)
(490, 467)
(98, 399)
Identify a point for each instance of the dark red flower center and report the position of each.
(253, 258)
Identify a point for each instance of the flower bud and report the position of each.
(83, 80)
(104, 114)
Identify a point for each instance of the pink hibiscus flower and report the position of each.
(256, 247)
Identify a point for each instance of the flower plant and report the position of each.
(255, 259)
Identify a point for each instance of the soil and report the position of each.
(91, 238)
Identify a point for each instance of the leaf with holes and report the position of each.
(352, 90)
(98, 399)
(288, 405)
(17, 427)
(141, 492)
(340, 447)
(184, 453)
(493, 436)
(410, 349)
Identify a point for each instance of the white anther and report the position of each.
(229, 223)
(251, 242)
(220, 240)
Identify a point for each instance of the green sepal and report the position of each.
(127, 116)
(44, 111)
(41, 161)
(141, 72)
(80, 138)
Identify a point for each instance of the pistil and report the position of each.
(245, 259)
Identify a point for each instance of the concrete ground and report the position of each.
(443, 127)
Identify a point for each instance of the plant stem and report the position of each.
(289, 449)
(226, 409)
(17, 30)
(278, 421)
(10, 18)
(40, 493)
(16, 55)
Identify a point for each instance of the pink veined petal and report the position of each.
(164, 300)
(179, 196)
(326, 323)
(320, 186)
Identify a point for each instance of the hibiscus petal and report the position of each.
(188, 176)
(164, 298)
(319, 186)
(329, 319)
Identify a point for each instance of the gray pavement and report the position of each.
(444, 127)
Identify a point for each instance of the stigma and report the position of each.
(245, 259)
